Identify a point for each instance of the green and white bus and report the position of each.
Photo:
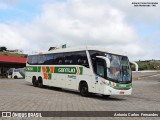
(85, 69)
(16, 73)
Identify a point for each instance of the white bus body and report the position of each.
(86, 69)
(16, 73)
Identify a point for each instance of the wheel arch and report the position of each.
(15, 77)
(81, 82)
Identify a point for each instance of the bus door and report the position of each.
(100, 70)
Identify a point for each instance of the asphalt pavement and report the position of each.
(19, 95)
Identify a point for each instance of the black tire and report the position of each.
(15, 77)
(84, 89)
(106, 96)
(35, 83)
(40, 84)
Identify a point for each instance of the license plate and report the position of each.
(121, 92)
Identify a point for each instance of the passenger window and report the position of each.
(41, 59)
(29, 59)
(68, 58)
(58, 59)
(10, 73)
(82, 59)
(48, 59)
(33, 60)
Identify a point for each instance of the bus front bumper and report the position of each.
(113, 91)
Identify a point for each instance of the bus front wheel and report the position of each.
(84, 89)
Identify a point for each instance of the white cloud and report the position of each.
(11, 39)
(77, 22)
(143, 14)
(84, 22)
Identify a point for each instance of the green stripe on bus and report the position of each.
(31, 68)
(39, 69)
(121, 85)
(22, 74)
(47, 69)
(62, 70)
(49, 76)
(124, 85)
(81, 70)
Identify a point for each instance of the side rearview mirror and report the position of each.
(106, 59)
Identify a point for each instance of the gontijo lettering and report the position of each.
(66, 70)
(69, 70)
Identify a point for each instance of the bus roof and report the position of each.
(70, 49)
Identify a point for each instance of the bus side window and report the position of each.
(34, 60)
(58, 59)
(48, 59)
(68, 58)
(41, 59)
(10, 72)
(82, 59)
(29, 60)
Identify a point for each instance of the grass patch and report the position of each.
(13, 54)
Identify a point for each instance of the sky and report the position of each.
(36, 25)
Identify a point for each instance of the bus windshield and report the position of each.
(119, 70)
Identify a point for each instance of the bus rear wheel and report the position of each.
(40, 84)
(84, 89)
(35, 83)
